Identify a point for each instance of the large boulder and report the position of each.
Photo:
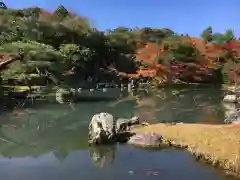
(102, 129)
(146, 139)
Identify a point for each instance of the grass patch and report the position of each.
(215, 144)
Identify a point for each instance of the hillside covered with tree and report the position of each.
(66, 46)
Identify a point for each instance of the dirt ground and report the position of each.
(215, 144)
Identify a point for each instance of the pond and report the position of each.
(49, 141)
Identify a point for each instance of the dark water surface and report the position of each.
(50, 141)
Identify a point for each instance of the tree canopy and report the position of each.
(62, 41)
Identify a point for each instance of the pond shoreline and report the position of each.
(218, 145)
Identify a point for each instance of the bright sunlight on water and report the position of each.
(49, 141)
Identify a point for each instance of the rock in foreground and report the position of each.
(102, 129)
(105, 129)
(146, 139)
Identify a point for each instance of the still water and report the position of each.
(49, 141)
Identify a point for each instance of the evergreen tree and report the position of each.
(207, 34)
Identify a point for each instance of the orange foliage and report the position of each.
(148, 53)
(147, 72)
(141, 72)
(210, 52)
(45, 14)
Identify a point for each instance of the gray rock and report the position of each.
(102, 129)
(146, 140)
(232, 98)
(79, 90)
(124, 124)
(73, 91)
(63, 95)
(233, 118)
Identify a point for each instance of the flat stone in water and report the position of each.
(146, 139)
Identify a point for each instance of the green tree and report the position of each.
(219, 38)
(2, 5)
(184, 52)
(207, 34)
(222, 39)
(160, 60)
(74, 55)
(36, 55)
(229, 35)
(155, 35)
(61, 12)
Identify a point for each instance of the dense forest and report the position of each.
(65, 47)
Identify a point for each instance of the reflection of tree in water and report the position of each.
(200, 104)
(146, 113)
(182, 105)
(61, 155)
(102, 155)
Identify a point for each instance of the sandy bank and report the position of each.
(215, 144)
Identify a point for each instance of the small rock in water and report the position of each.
(73, 90)
(79, 90)
(63, 95)
(233, 118)
(146, 139)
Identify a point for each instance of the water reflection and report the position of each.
(60, 129)
(102, 156)
(181, 105)
(61, 154)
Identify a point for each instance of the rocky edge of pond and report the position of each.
(218, 145)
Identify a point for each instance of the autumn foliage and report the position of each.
(64, 43)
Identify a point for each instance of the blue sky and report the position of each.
(182, 16)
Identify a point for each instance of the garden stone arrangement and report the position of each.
(105, 129)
